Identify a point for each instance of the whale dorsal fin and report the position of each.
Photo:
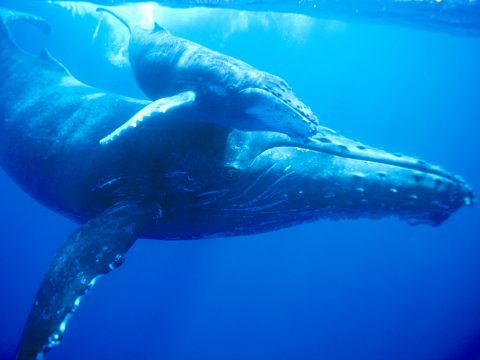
(122, 20)
(158, 28)
(116, 16)
(160, 106)
(96, 248)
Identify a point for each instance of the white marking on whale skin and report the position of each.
(56, 337)
(269, 190)
(94, 280)
(94, 96)
(108, 182)
(97, 29)
(70, 81)
(63, 324)
(160, 106)
(190, 56)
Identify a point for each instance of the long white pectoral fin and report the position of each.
(160, 106)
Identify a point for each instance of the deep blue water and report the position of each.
(328, 290)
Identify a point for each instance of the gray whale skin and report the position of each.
(167, 177)
(458, 17)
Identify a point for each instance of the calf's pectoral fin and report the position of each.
(152, 110)
(273, 114)
(94, 249)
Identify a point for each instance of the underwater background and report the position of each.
(328, 290)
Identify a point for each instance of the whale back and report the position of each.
(12, 57)
(7, 17)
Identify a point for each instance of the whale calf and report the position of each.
(231, 91)
(176, 178)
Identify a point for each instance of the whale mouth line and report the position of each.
(469, 196)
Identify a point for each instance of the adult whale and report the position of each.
(173, 178)
(460, 17)
(231, 91)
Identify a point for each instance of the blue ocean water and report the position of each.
(328, 290)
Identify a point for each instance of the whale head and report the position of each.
(273, 104)
(333, 177)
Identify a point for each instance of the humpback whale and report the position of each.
(231, 91)
(459, 17)
(176, 178)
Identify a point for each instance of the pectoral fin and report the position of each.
(160, 106)
(94, 249)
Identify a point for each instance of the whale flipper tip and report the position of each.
(158, 107)
(95, 249)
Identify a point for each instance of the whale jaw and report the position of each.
(334, 177)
